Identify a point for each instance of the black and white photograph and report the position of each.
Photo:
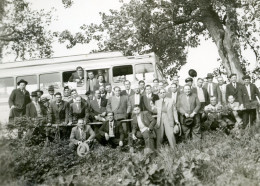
(129, 92)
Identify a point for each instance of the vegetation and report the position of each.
(216, 160)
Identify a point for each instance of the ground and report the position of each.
(217, 159)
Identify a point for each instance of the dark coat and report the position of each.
(147, 120)
(132, 102)
(216, 91)
(236, 92)
(75, 114)
(146, 102)
(58, 115)
(118, 129)
(75, 77)
(205, 92)
(31, 110)
(19, 99)
(96, 109)
(123, 93)
(245, 97)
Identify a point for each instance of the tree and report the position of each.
(169, 27)
(23, 30)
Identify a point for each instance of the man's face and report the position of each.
(90, 75)
(98, 94)
(137, 110)
(58, 98)
(231, 99)
(108, 88)
(175, 80)
(100, 72)
(110, 117)
(210, 80)
(35, 98)
(22, 86)
(39, 94)
(137, 90)
(189, 83)
(80, 123)
(199, 83)
(161, 85)
(187, 90)
(156, 83)
(148, 90)
(173, 88)
(141, 85)
(74, 94)
(66, 91)
(127, 85)
(220, 81)
(78, 100)
(213, 101)
(102, 89)
(51, 92)
(80, 72)
(233, 79)
(117, 91)
(100, 78)
(162, 93)
(246, 81)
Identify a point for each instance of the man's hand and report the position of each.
(88, 141)
(13, 106)
(103, 114)
(107, 136)
(79, 142)
(134, 137)
(48, 124)
(187, 115)
(70, 123)
(120, 143)
(192, 114)
(177, 122)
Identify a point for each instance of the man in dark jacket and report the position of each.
(18, 100)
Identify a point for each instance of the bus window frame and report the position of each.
(145, 63)
(60, 76)
(112, 74)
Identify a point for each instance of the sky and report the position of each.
(203, 58)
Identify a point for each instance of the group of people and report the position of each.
(118, 117)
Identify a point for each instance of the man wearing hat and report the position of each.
(50, 96)
(250, 96)
(18, 100)
(234, 89)
(189, 81)
(39, 94)
(78, 77)
(212, 88)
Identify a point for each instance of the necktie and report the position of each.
(188, 102)
(234, 84)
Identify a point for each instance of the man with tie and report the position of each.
(109, 91)
(149, 97)
(78, 77)
(167, 117)
(222, 88)
(137, 98)
(18, 100)
(81, 134)
(128, 91)
(234, 89)
(141, 87)
(250, 95)
(50, 96)
(155, 88)
(212, 88)
(91, 82)
(173, 93)
(111, 132)
(102, 92)
(175, 80)
(74, 95)
(98, 105)
(188, 106)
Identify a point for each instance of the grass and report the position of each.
(217, 159)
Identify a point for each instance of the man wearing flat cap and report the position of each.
(50, 96)
(78, 77)
(39, 94)
(18, 100)
(249, 95)
(212, 88)
(234, 88)
(189, 81)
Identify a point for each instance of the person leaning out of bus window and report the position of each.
(78, 76)
(18, 100)
(66, 94)
(91, 82)
(101, 82)
(50, 96)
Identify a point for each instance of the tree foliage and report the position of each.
(24, 31)
(169, 27)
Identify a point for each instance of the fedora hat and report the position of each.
(51, 87)
(188, 121)
(83, 149)
(22, 81)
(39, 91)
(188, 80)
(34, 94)
(210, 76)
(176, 129)
(192, 73)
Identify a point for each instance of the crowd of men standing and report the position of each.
(182, 112)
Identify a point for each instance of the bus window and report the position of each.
(32, 82)
(122, 73)
(97, 72)
(50, 79)
(144, 72)
(6, 86)
(72, 79)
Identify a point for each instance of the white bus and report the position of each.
(56, 71)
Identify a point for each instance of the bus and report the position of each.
(41, 73)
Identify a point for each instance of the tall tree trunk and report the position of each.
(224, 38)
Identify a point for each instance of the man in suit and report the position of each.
(91, 82)
(81, 134)
(66, 94)
(78, 77)
(149, 97)
(175, 80)
(222, 88)
(137, 98)
(202, 94)
(141, 87)
(128, 91)
(109, 91)
(18, 100)
(79, 110)
(167, 117)
(98, 105)
(143, 128)
(249, 93)
(189, 81)
(234, 89)
(35, 109)
(188, 106)
(100, 82)
(74, 95)
(50, 96)
(111, 132)
(173, 93)
(155, 88)
(212, 88)
(103, 92)
(39, 94)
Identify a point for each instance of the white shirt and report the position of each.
(111, 129)
(174, 96)
(141, 126)
(99, 102)
(210, 89)
(149, 95)
(248, 91)
(80, 133)
(234, 84)
(200, 94)
(137, 99)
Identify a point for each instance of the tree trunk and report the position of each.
(225, 39)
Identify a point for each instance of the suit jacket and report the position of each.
(75, 76)
(107, 96)
(216, 91)
(98, 110)
(96, 86)
(205, 92)
(87, 133)
(19, 99)
(58, 115)
(124, 93)
(83, 112)
(223, 93)
(184, 107)
(132, 102)
(120, 108)
(146, 102)
(169, 95)
(147, 120)
(171, 111)
(245, 97)
(95, 82)
(118, 129)
(236, 92)
(31, 110)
